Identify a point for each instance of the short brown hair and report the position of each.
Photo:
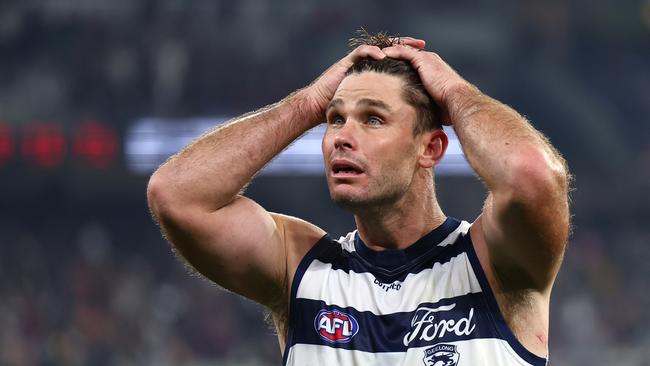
(414, 93)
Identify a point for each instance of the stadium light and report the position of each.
(150, 141)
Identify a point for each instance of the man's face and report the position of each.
(370, 152)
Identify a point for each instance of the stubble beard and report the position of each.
(379, 197)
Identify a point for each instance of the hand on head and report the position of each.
(322, 90)
(439, 79)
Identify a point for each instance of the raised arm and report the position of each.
(225, 236)
(525, 221)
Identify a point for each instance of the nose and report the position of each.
(344, 137)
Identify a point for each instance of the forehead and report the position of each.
(371, 85)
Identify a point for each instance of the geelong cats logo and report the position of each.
(441, 355)
(335, 326)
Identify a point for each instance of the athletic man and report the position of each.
(410, 286)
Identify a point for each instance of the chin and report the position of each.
(348, 200)
(356, 201)
(349, 204)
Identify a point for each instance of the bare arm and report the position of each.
(525, 220)
(227, 237)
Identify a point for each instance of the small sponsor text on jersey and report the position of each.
(388, 286)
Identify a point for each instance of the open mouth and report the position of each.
(341, 169)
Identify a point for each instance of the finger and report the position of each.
(410, 41)
(400, 51)
(366, 51)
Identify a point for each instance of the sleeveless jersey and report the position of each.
(429, 304)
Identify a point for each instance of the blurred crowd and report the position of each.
(85, 277)
(94, 293)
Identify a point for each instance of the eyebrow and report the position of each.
(365, 102)
(334, 103)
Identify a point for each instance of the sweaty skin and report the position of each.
(236, 243)
(522, 232)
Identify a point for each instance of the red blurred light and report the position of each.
(7, 144)
(43, 144)
(95, 143)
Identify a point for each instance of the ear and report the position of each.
(433, 146)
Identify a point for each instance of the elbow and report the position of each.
(170, 203)
(159, 197)
(539, 177)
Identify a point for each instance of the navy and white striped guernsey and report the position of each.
(429, 304)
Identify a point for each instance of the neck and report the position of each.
(402, 223)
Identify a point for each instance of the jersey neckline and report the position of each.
(394, 258)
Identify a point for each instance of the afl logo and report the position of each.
(335, 326)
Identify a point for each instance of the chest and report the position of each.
(362, 308)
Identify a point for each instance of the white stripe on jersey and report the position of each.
(463, 229)
(358, 290)
(486, 351)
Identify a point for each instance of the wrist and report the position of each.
(462, 99)
(306, 107)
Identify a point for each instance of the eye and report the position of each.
(337, 120)
(374, 121)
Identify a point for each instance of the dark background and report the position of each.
(85, 277)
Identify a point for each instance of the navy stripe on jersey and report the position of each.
(413, 259)
(353, 262)
(392, 259)
(442, 326)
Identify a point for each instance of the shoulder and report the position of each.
(299, 236)
(297, 233)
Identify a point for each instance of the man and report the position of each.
(410, 286)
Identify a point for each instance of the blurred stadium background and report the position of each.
(94, 94)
